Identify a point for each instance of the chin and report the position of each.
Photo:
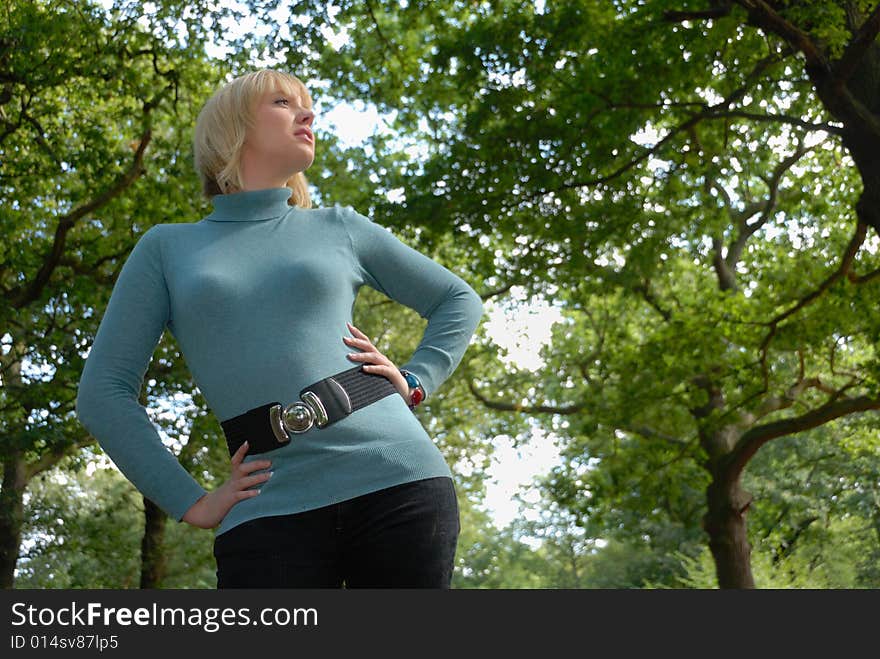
(299, 165)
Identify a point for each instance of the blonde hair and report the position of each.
(222, 125)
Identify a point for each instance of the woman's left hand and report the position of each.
(374, 361)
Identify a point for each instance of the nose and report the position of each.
(305, 117)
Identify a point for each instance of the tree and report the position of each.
(694, 185)
(91, 105)
(97, 108)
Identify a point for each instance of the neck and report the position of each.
(262, 182)
(258, 174)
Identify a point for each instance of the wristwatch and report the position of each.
(417, 391)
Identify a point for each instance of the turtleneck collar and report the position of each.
(250, 205)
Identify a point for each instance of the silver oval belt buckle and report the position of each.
(296, 418)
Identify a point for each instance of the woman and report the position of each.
(334, 481)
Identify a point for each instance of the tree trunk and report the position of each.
(725, 522)
(152, 546)
(14, 479)
(11, 515)
(860, 132)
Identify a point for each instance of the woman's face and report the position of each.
(281, 137)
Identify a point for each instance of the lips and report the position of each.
(305, 132)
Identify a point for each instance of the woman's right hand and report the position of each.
(207, 512)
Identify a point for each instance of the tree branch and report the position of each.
(713, 392)
(22, 296)
(768, 205)
(764, 16)
(755, 438)
(832, 359)
(863, 279)
(726, 275)
(644, 289)
(844, 267)
(786, 545)
(707, 112)
(45, 462)
(725, 266)
(650, 433)
(529, 409)
(495, 292)
(718, 9)
(41, 139)
(80, 267)
(777, 403)
(778, 118)
(856, 49)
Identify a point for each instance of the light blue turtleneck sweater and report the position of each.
(257, 295)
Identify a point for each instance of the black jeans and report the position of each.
(399, 537)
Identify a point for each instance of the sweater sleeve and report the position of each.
(110, 384)
(453, 309)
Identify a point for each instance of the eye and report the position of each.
(283, 100)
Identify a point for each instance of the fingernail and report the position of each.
(271, 473)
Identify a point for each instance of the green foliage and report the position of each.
(795, 572)
(609, 159)
(826, 21)
(817, 504)
(84, 531)
(111, 82)
(618, 163)
(678, 189)
(491, 559)
(85, 528)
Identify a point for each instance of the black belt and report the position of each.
(322, 403)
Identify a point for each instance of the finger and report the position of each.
(392, 373)
(246, 494)
(354, 330)
(382, 369)
(373, 356)
(250, 481)
(255, 465)
(238, 456)
(359, 341)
